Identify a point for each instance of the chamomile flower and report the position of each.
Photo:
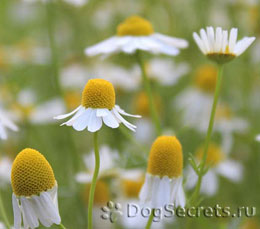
(220, 47)
(34, 191)
(107, 167)
(220, 165)
(97, 106)
(5, 171)
(136, 33)
(163, 180)
(6, 123)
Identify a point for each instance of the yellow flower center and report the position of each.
(214, 156)
(98, 93)
(31, 173)
(165, 157)
(141, 104)
(206, 78)
(135, 26)
(72, 99)
(132, 188)
(102, 193)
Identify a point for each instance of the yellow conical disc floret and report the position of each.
(98, 93)
(102, 193)
(206, 78)
(132, 188)
(31, 173)
(214, 156)
(135, 26)
(165, 157)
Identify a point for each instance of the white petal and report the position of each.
(211, 38)
(17, 213)
(110, 120)
(172, 41)
(224, 41)
(121, 119)
(95, 122)
(231, 170)
(199, 43)
(180, 195)
(145, 193)
(232, 40)
(121, 111)
(71, 120)
(243, 44)
(111, 45)
(218, 42)
(82, 121)
(29, 213)
(3, 134)
(204, 38)
(102, 112)
(67, 115)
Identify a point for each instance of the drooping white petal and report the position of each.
(121, 119)
(180, 195)
(110, 120)
(94, 123)
(17, 213)
(102, 112)
(121, 111)
(80, 123)
(145, 193)
(232, 40)
(231, 170)
(67, 115)
(172, 41)
(71, 120)
(29, 213)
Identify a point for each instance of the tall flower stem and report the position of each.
(62, 226)
(94, 181)
(208, 137)
(150, 220)
(3, 213)
(149, 93)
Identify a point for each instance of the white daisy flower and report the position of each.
(6, 123)
(136, 33)
(220, 166)
(97, 106)
(163, 180)
(34, 191)
(107, 167)
(220, 47)
(5, 171)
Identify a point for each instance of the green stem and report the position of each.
(3, 213)
(149, 93)
(209, 133)
(150, 220)
(94, 181)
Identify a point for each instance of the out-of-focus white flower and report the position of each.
(26, 108)
(6, 123)
(97, 106)
(257, 138)
(220, 166)
(76, 2)
(107, 167)
(145, 132)
(220, 47)
(136, 33)
(256, 52)
(163, 180)
(2, 226)
(165, 71)
(5, 171)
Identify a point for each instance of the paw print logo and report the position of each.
(111, 211)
